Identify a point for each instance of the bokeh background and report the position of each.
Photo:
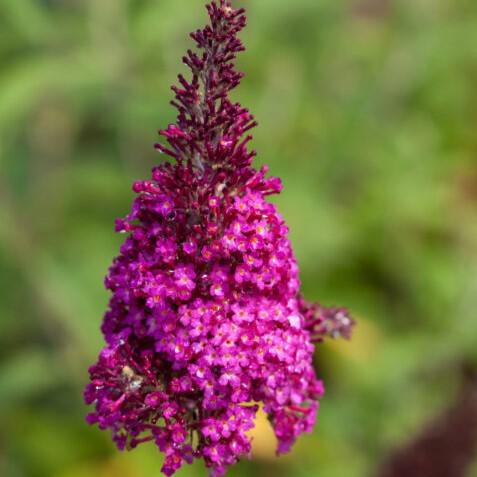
(367, 110)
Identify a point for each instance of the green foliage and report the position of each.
(367, 110)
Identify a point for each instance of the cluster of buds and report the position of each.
(205, 319)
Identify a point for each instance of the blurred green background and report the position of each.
(367, 110)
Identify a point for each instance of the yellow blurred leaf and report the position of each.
(264, 442)
(363, 345)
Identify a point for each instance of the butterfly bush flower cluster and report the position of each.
(205, 320)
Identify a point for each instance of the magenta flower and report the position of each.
(205, 319)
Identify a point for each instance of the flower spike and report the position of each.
(205, 319)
